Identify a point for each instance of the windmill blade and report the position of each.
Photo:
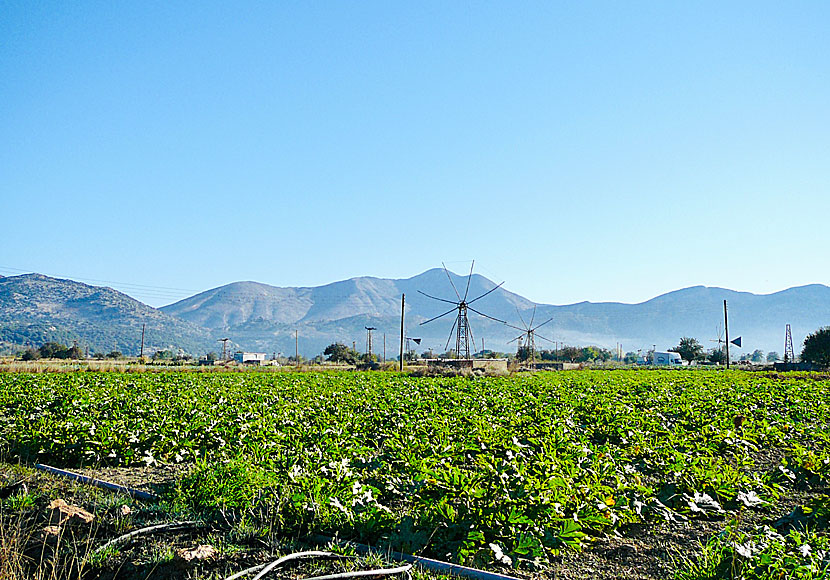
(486, 293)
(508, 324)
(446, 348)
(544, 323)
(532, 318)
(522, 319)
(447, 272)
(515, 339)
(543, 338)
(470, 277)
(436, 298)
(437, 317)
(486, 315)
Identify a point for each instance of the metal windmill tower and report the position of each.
(789, 354)
(461, 326)
(528, 336)
(369, 330)
(719, 340)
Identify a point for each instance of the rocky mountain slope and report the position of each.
(35, 309)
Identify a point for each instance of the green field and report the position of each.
(516, 469)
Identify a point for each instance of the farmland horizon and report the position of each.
(262, 318)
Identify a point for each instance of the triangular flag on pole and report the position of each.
(736, 342)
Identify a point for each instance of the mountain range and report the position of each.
(258, 317)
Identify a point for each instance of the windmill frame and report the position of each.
(461, 327)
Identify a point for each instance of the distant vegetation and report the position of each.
(54, 350)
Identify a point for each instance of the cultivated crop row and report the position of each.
(476, 468)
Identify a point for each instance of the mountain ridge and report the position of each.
(265, 318)
(35, 309)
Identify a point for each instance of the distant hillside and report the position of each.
(259, 317)
(35, 309)
(698, 312)
(262, 317)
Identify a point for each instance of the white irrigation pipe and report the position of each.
(172, 527)
(136, 493)
(294, 556)
(427, 563)
(360, 573)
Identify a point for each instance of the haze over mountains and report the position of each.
(259, 317)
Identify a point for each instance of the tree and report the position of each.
(53, 350)
(717, 355)
(523, 354)
(817, 347)
(339, 352)
(772, 356)
(74, 352)
(689, 349)
(30, 354)
(630, 358)
(757, 356)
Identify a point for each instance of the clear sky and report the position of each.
(603, 151)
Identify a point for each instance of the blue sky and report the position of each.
(603, 151)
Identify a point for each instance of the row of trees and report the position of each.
(341, 353)
(816, 351)
(690, 350)
(54, 350)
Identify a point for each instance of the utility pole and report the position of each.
(384, 347)
(403, 303)
(297, 347)
(143, 326)
(726, 328)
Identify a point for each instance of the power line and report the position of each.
(156, 291)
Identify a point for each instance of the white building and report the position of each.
(250, 358)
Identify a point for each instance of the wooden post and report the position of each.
(403, 303)
(297, 347)
(726, 327)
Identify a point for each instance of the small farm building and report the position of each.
(249, 358)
